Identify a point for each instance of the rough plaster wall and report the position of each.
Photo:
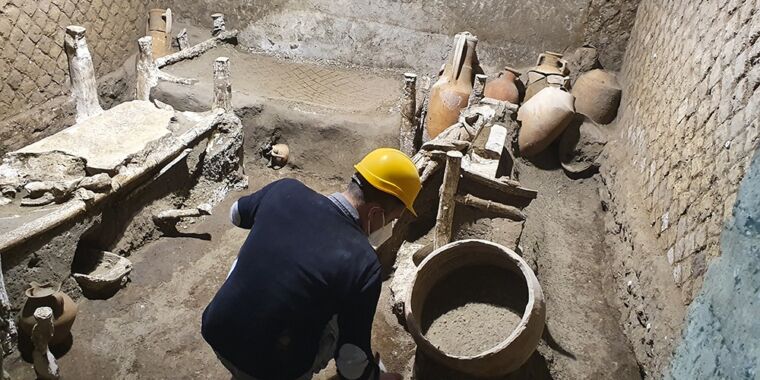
(689, 116)
(722, 335)
(33, 66)
(416, 33)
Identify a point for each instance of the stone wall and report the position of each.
(418, 34)
(688, 127)
(690, 116)
(33, 66)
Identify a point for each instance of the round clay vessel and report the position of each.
(64, 310)
(516, 348)
(504, 86)
(543, 118)
(449, 95)
(597, 95)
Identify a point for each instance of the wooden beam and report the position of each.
(446, 204)
(499, 209)
(505, 186)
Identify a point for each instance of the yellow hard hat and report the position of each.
(393, 172)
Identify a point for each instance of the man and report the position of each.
(306, 282)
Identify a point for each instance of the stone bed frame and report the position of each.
(197, 161)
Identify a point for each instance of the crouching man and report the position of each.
(307, 279)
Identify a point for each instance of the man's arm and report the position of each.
(243, 211)
(353, 355)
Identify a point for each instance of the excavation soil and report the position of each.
(151, 329)
(473, 309)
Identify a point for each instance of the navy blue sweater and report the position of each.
(303, 261)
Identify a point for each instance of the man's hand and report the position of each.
(390, 376)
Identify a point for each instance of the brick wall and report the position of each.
(690, 118)
(33, 65)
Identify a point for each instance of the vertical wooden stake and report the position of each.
(218, 26)
(445, 217)
(407, 129)
(182, 40)
(147, 71)
(478, 88)
(222, 85)
(84, 87)
(43, 361)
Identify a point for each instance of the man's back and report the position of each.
(304, 261)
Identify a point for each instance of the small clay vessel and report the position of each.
(504, 86)
(544, 117)
(158, 27)
(597, 95)
(450, 93)
(279, 155)
(64, 310)
(550, 70)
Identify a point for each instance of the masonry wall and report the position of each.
(690, 117)
(688, 128)
(33, 66)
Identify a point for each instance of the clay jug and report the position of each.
(449, 94)
(64, 310)
(550, 69)
(158, 29)
(597, 95)
(504, 86)
(543, 118)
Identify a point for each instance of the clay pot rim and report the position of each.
(53, 289)
(528, 276)
(513, 70)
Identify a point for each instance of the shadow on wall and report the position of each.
(722, 334)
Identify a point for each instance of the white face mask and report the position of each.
(377, 238)
(380, 236)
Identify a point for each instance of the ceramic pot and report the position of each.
(64, 310)
(543, 118)
(504, 86)
(550, 70)
(515, 348)
(157, 29)
(450, 93)
(597, 95)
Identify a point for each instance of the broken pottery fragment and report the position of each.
(103, 274)
(449, 95)
(543, 118)
(580, 146)
(581, 60)
(597, 95)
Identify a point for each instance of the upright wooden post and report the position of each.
(218, 26)
(478, 89)
(147, 71)
(407, 129)
(43, 360)
(84, 87)
(446, 204)
(222, 85)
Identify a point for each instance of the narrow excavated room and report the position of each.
(390, 190)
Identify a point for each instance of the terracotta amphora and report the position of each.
(504, 86)
(449, 94)
(543, 118)
(549, 68)
(159, 27)
(597, 95)
(64, 310)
